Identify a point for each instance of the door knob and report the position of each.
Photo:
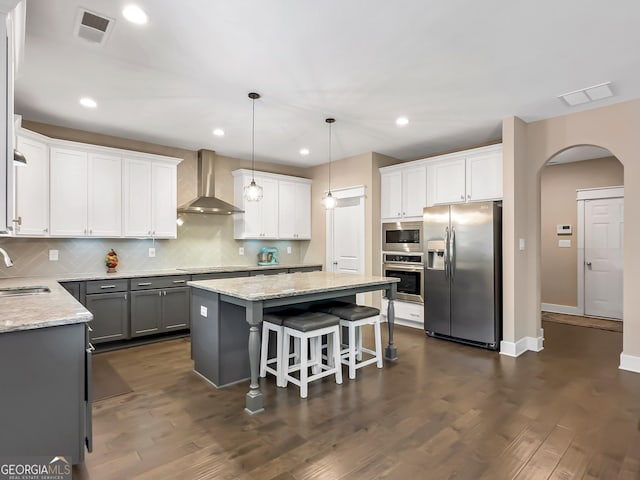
(588, 264)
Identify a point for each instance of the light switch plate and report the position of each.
(522, 244)
(152, 252)
(564, 243)
(241, 251)
(53, 255)
(289, 250)
(203, 311)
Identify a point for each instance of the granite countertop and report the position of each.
(58, 307)
(277, 286)
(81, 277)
(27, 312)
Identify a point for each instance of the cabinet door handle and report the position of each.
(164, 293)
(144, 284)
(154, 233)
(89, 328)
(179, 281)
(91, 347)
(125, 296)
(461, 197)
(45, 230)
(160, 293)
(90, 232)
(107, 286)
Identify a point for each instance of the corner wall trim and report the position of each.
(554, 308)
(515, 349)
(630, 363)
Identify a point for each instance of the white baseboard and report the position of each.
(566, 309)
(525, 344)
(630, 363)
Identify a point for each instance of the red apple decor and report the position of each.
(111, 261)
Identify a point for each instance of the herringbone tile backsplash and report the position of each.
(203, 240)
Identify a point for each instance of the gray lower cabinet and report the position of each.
(110, 316)
(46, 402)
(159, 310)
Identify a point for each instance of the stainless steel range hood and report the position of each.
(206, 202)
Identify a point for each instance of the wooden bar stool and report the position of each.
(354, 317)
(309, 328)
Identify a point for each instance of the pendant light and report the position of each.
(253, 191)
(329, 200)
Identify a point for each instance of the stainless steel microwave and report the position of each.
(402, 237)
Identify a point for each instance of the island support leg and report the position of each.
(390, 352)
(254, 401)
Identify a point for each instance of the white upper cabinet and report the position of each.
(68, 171)
(31, 217)
(71, 189)
(104, 190)
(294, 203)
(164, 195)
(150, 198)
(403, 192)
(469, 176)
(260, 219)
(446, 181)
(484, 176)
(85, 194)
(391, 195)
(283, 213)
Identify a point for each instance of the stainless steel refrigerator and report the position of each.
(463, 273)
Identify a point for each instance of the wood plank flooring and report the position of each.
(591, 322)
(442, 411)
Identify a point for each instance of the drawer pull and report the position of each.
(90, 329)
(91, 347)
(144, 284)
(107, 286)
(179, 281)
(414, 315)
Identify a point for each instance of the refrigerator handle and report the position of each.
(452, 254)
(446, 252)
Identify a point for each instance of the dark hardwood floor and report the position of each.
(442, 411)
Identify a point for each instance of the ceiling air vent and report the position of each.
(92, 27)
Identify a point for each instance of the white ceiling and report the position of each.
(454, 68)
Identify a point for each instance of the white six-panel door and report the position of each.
(603, 248)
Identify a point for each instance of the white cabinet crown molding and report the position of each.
(438, 158)
(275, 176)
(90, 148)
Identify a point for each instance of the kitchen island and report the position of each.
(225, 312)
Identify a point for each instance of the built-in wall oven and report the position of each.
(408, 267)
(402, 237)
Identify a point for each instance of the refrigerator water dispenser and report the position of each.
(435, 254)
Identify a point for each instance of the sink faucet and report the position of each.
(7, 259)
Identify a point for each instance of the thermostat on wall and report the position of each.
(563, 229)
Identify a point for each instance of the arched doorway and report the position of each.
(581, 238)
(526, 149)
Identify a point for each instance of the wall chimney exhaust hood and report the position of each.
(206, 202)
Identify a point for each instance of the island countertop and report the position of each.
(278, 286)
(28, 312)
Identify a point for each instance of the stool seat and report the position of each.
(310, 321)
(349, 311)
(353, 317)
(278, 318)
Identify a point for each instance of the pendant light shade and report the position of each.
(329, 201)
(253, 191)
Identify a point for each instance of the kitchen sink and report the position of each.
(17, 291)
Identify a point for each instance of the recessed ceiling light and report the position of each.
(135, 14)
(88, 102)
(402, 121)
(218, 132)
(304, 151)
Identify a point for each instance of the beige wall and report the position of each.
(613, 127)
(559, 282)
(202, 240)
(350, 172)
